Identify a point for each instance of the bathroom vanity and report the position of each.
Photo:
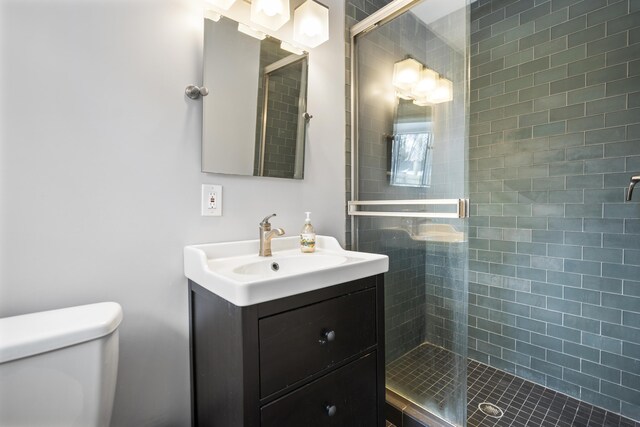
(313, 358)
(310, 359)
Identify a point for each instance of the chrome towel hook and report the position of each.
(194, 92)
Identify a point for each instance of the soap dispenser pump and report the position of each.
(308, 236)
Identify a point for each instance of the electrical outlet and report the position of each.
(211, 200)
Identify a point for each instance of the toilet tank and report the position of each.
(59, 367)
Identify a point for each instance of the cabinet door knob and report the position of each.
(331, 410)
(328, 336)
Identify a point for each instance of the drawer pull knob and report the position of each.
(328, 336)
(331, 410)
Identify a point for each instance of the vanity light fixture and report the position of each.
(310, 20)
(413, 81)
(251, 31)
(291, 48)
(271, 14)
(311, 24)
(221, 4)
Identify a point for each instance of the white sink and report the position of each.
(287, 264)
(235, 272)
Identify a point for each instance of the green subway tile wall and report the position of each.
(554, 286)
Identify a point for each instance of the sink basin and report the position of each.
(235, 272)
(283, 264)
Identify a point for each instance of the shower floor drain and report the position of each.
(490, 410)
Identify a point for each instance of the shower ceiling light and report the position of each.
(271, 14)
(311, 24)
(221, 4)
(406, 74)
(251, 32)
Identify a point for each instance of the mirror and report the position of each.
(254, 118)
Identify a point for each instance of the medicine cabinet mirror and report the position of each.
(254, 118)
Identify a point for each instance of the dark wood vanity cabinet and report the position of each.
(313, 359)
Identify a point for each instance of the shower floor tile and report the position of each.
(430, 372)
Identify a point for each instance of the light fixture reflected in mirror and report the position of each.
(271, 14)
(311, 24)
(413, 81)
(443, 91)
(406, 74)
(426, 83)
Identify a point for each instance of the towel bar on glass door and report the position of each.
(461, 205)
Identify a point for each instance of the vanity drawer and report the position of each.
(299, 343)
(345, 397)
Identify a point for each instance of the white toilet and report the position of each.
(58, 368)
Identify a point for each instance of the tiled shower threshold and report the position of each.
(522, 402)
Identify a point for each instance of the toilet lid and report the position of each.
(31, 334)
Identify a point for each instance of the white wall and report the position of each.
(100, 175)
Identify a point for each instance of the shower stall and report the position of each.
(492, 147)
(410, 193)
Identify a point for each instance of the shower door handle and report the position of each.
(461, 208)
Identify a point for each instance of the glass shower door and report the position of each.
(409, 194)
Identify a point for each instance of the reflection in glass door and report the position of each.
(409, 157)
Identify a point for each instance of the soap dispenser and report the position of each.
(308, 236)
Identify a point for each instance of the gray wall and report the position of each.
(555, 250)
(100, 175)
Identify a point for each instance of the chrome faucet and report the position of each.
(266, 234)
